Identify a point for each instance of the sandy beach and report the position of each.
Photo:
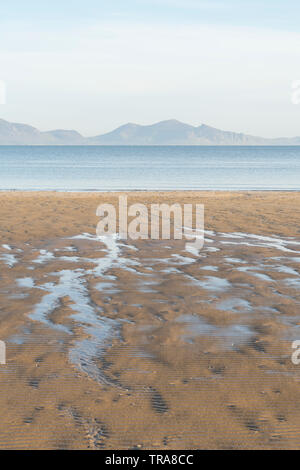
(140, 344)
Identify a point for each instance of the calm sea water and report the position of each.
(144, 168)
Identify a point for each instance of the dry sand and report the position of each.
(156, 351)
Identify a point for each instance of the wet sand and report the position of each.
(141, 344)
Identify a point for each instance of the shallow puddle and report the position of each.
(231, 335)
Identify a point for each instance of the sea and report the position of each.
(128, 168)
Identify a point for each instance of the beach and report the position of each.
(139, 344)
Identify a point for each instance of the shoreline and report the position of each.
(95, 191)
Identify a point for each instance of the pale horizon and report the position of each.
(95, 67)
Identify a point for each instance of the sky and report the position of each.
(94, 65)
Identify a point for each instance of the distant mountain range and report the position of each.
(170, 132)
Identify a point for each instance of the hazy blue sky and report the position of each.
(93, 65)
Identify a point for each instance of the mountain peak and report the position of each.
(171, 121)
(167, 132)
